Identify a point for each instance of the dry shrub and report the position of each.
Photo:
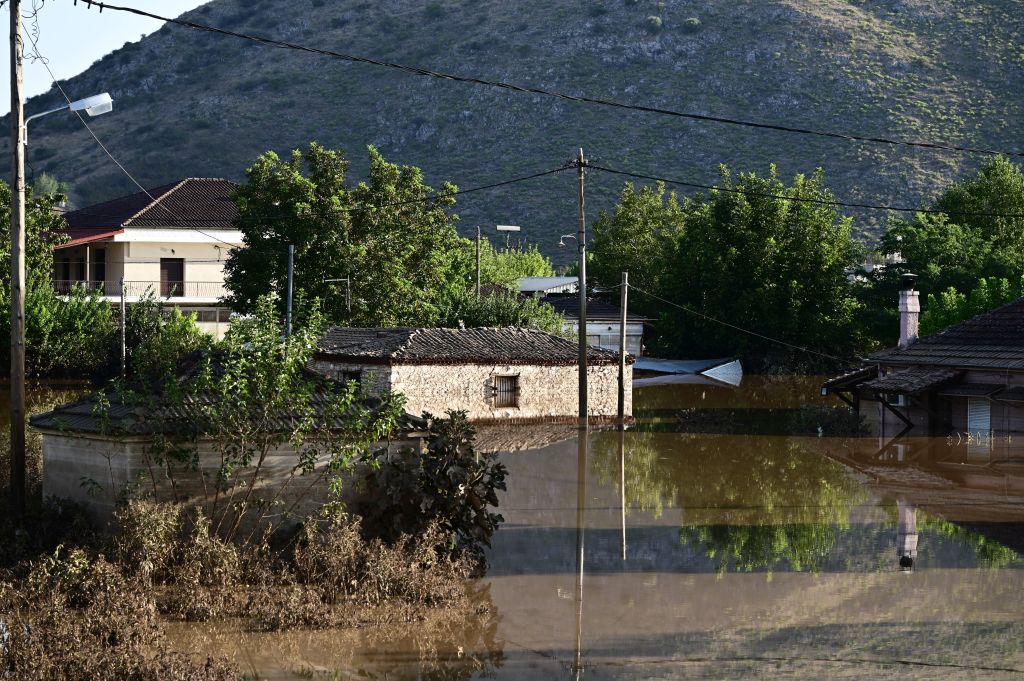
(78, 618)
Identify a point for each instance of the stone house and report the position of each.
(93, 453)
(966, 380)
(505, 375)
(174, 244)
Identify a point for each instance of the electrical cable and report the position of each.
(435, 196)
(56, 82)
(746, 331)
(799, 199)
(419, 71)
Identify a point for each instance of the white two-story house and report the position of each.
(172, 241)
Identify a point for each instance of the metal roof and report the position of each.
(540, 284)
(597, 310)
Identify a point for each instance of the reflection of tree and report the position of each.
(990, 553)
(748, 502)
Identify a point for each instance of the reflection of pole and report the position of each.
(622, 481)
(581, 505)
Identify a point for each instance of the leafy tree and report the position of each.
(951, 306)
(964, 241)
(62, 335)
(509, 266)
(465, 309)
(750, 256)
(391, 236)
(158, 339)
(638, 237)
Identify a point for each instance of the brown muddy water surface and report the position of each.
(752, 542)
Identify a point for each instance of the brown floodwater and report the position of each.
(732, 533)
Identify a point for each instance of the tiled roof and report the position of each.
(994, 340)
(192, 203)
(455, 346)
(83, 416)
(912, 381)
(597, 310)
(850, 379)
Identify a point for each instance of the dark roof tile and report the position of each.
(192, 203)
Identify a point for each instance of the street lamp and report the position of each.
(93, 106)
(96, 105)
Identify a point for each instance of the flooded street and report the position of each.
(732, 533)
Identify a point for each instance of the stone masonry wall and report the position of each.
(544, 391)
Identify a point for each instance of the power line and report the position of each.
(46, 64)
(742, 330)
(799, 199)
(435, 196)
(419, 71)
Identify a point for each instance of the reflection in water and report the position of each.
(706, 516)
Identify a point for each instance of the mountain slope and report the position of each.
(195, 104)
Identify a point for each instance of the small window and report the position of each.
(224, 315)
(351, 375)
(506, 391)
(594, 340)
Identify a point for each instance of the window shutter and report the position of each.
(979, 417)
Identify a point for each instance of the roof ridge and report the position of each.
(155, 201)
(404, 347)
(976, 317)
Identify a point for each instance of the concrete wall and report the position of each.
(606, 335)
(544, 391)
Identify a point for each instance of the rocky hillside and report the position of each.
(190, 103)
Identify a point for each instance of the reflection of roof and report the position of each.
(187, 204)
(912, 381)
(597, 310)
(455, 346)
(991, 340)
(537, 284)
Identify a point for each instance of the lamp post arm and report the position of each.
(24, 127)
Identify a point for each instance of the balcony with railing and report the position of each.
(204, 290)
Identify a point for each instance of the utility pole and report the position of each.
(623, 303)
(581, 243)
(291, 280)
(478, 262)
(124, 344)
(17, 265)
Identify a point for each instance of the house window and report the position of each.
(594, 340)
(506, 391)
(172, 277)
(99, 266)
(351, 375)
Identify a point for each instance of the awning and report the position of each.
(970, 390)
(913, 381)
(848, 381)
(84, 238)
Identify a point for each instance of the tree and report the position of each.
(63, 335)
(638, 237)
(965, 241)
(465, 309)
(750, 256)
(952, 306)
(507, 267)
(392, 236)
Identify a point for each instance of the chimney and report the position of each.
(910, 310)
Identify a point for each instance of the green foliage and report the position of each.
(951, 306)
(956, 247)
(158, 338)
(449, 485)
(746, 255)
(639, 237)
(653, 24)
(398, 246)
(465, 309)
(62, 336)
(507, 267)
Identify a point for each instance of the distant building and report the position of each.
(492, 374)
(542, 286)
(966, 380)
(173, 244)
(604, 321)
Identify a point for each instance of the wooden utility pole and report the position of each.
(623, 302)
(478, 262)
(17, 265)
(581, 243)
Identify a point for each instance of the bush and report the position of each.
(691, 25)
(450, 486)
(653, 24)
(499, 311)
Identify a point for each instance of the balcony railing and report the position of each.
(161, 289)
